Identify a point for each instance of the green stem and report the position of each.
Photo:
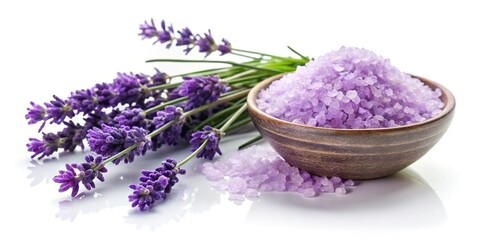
(239, 80)
(238, 75)
(250, 142)
(161, 129)
(125, 151)
(243, 55)
(217, 115)
(160, 106)
(213, 61)
(258, 53)
(203, 72)
(300, 55)
(164, 86)
(193, 154)
(233, 118)
(239, 124)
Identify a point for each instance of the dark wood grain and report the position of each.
(351, 153)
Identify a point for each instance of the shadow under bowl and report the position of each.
(351, 153)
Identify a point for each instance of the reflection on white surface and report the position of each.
(404, 199)
(191, 195)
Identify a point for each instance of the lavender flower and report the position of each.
(155, 185)
(186, 39)
(36, 114)
(58, 110)
(128, 89)
(131, 117)
(206, 44)
(109, 141)
(170, 135)
(72, 136)
(83, 101)
(158, 78)
(225, 48)
(68, 179)
(98, 118)
(199, 90)
(148, 30)
(47, 146)
(88, 171)
(106, 95)
(213, 136)
(166, 35)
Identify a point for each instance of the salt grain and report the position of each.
(350, 81)
(260, 169)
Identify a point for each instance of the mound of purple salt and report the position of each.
(350, 88)
(260, 168)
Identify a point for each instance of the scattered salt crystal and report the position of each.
(308, 192)
(352, 81)
(259, 168)
(340, 190)
(349, 183)
(237, 185)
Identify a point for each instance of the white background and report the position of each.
(54, 47)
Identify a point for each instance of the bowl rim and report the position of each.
(448, 108)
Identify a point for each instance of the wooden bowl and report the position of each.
(351, 153)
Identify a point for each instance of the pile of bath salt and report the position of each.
(260, 169)
(350, 88)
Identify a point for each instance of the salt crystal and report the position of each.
(363, 81)
(259, 168)
(340, 190)
(308, 192)
(237, 185)
(349, 183)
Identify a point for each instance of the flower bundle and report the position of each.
(138, 112)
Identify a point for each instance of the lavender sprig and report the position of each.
(205, 43)
(138, 112)
(155, 185)
(125, 143)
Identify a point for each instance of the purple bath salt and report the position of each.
(260, 169)
(350, 88)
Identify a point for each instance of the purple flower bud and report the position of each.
(47, 146)
(166, 35)
(186, 39)
(109, 141)
(213, 136)
(131, 117)
(128, 89)
(155, 185)
(72, 136)
(148, 30)
(68, 179)
(206, 44)
(225, 48)
(36, 114)
(88, 171)
(83, 101)
(199, 90)
(170, 135)
(58, 110)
